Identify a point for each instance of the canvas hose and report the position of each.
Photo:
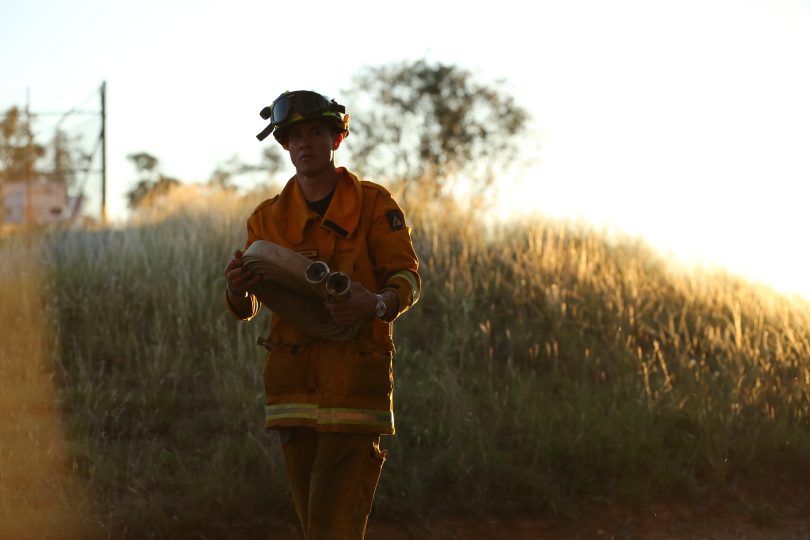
(296, 288)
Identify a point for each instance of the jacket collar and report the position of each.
(342, 217)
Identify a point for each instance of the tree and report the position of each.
(65, 159)
(270, 162)
(22, 158)
(432, 125)
(152, 183)
(19, 153)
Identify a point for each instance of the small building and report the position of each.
(38, 202)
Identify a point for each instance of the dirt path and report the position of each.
(773, 513)
(660, 527)
(39, 498)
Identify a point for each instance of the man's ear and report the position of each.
(285, 146)
(337, 141)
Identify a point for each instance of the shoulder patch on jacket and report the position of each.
(396, 220)
(268, 202)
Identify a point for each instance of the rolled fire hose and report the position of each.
(295, 288)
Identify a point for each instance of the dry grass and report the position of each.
(545, 366)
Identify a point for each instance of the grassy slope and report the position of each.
(543, 367)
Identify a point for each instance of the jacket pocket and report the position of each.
(286, 371)
(372, 375)
(343, 261)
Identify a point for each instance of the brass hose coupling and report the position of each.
(333, 286)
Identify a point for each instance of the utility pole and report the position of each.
(103, 153)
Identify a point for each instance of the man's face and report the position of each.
(310, 144)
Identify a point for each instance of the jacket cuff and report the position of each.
(406, 285)
(255, 306)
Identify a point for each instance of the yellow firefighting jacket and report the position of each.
(335, 386)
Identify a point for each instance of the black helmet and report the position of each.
(292, 107)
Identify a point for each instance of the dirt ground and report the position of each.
(772, 513)
(658, 524)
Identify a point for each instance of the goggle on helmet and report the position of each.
(299, 105)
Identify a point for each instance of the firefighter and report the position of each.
(330, 401)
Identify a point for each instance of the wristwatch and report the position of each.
(380, 309)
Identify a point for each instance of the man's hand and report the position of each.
(356, 308)
(239, 279)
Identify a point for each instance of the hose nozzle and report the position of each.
(316, 273)
(337, 286)
(333, 286)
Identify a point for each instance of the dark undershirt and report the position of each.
(321, 205)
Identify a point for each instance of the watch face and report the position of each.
(379, 309)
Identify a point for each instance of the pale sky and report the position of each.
(684, 122)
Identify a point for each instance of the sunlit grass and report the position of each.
(559, 366)
(545, 366)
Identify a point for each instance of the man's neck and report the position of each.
(318, 186)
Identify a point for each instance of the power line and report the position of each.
(71, 112)
(75, 124)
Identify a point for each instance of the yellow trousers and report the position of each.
(333, 477)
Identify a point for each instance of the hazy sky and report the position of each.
(687, 122)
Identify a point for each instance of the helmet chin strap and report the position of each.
(265, 132)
